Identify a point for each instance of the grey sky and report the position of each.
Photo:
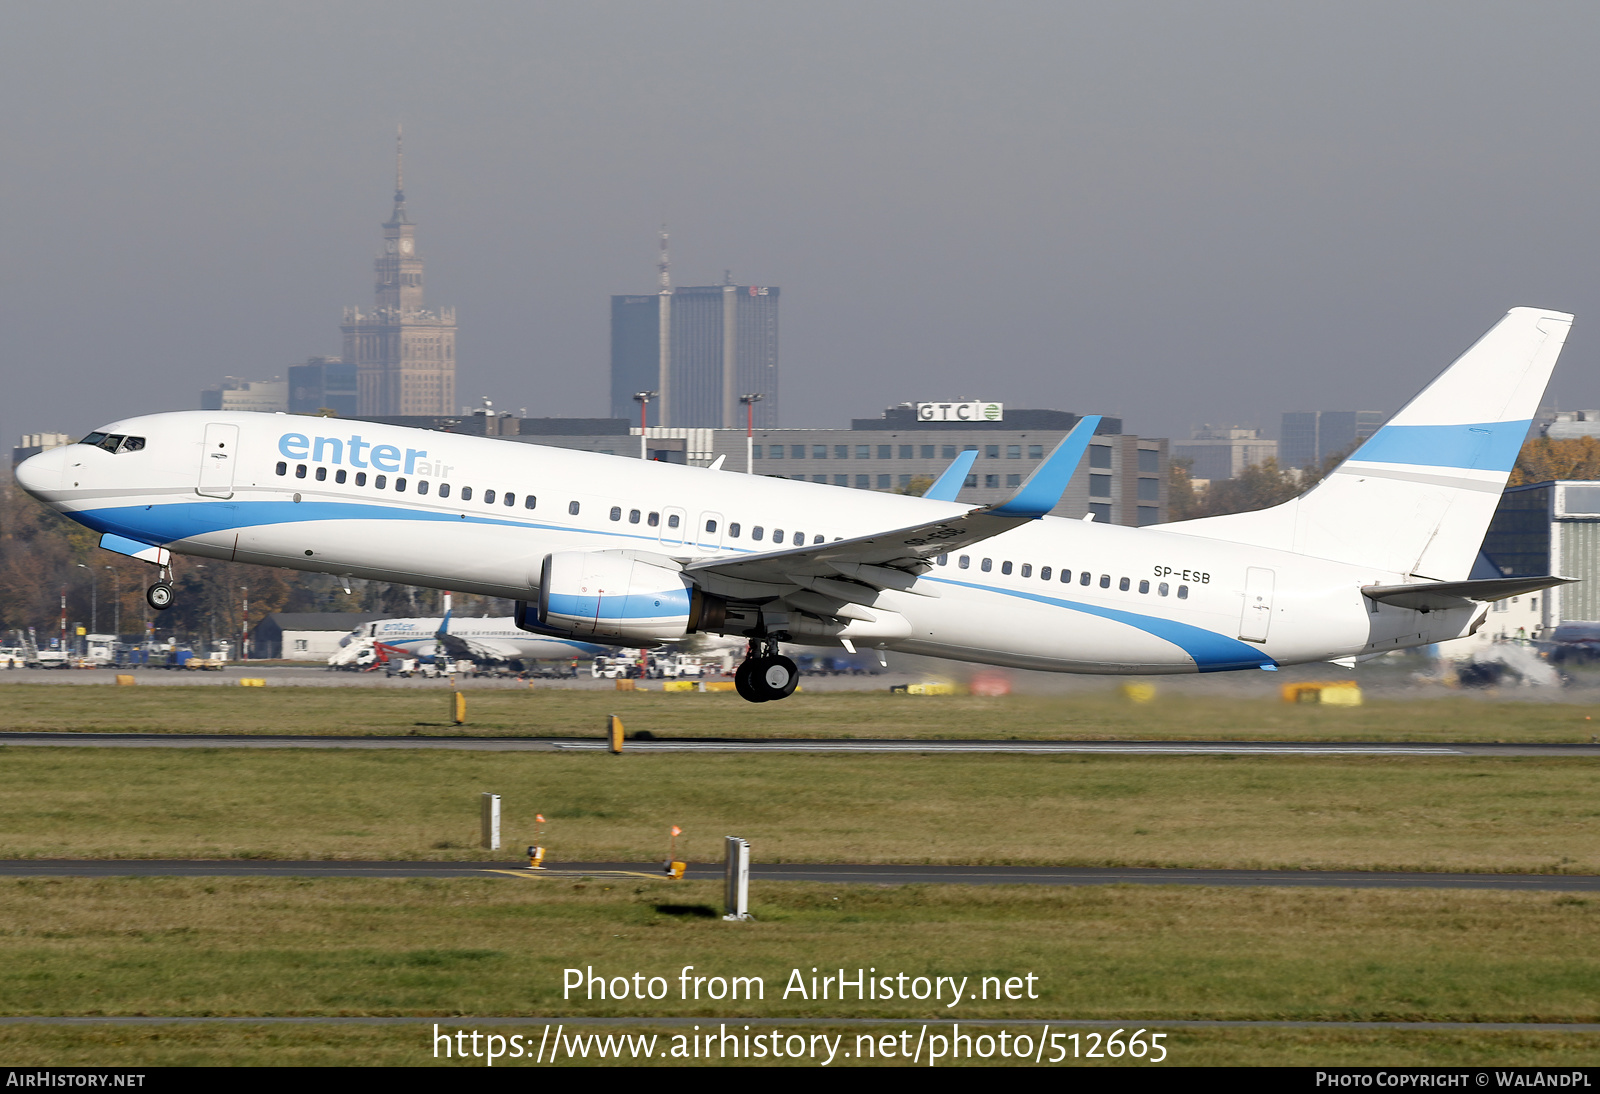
(1173, 212)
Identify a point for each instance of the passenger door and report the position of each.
(217, 460)
(1257, 616)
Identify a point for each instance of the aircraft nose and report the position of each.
(39, 475)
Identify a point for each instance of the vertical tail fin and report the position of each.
(1417, 497)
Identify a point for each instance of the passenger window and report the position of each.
(1027, 569)
(777, 535)
(653, 520)
(1183, 592)
(987, 565)
(1105, 581)
(422, 486)
(964, 561)
(817, 539)
(488, 497)
(1162, 588)
(511, 499)
(283, 468)
(530, 502)
(672, 520)
(943, 559)
(616, 512)
(1044, 573)
(633, 516)
(339, 476)
(733, 530)
(711, 526)
(361, 478)
(1084, 578)
(444, 490)
(572, 508)
(400, 486)
(299, 470)
(466, 493)
(1123, 585)
(1144, 586)
(799, 539)
(1005, 567)
(756, 532)
(380, 481)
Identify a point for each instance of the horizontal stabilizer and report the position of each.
(1443, 595)
(948, 485)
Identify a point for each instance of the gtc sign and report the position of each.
(960, 412)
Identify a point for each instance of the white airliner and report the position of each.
(493, 639)
(607, 549)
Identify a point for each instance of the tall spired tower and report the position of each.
(405, 354)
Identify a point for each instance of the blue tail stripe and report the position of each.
(1485, 446)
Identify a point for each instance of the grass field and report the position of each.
(502, 712)
(1474, 813)
(373, 947)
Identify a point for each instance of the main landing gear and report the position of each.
(159, 595)
(765, 674)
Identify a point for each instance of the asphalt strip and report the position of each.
(850, 873)
(813, 745)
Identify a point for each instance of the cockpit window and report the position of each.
(114, 442)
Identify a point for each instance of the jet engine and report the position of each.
(612, 596)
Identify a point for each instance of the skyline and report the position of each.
(1166, 215)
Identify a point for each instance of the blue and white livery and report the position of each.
(610, 550)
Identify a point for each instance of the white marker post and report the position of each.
(737, 877)
(490, 820)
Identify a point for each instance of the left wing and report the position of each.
(889, 560)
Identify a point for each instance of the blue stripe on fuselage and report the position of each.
(1212, 652)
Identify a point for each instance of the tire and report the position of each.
(778, 676)
(159, 596)
(746, 684)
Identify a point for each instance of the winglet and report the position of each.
(1044, 487)
(948, 485)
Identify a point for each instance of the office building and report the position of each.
(1309, 437)
(323, 384)
(1223, 452)
(1550, 528)
(403, 354)
(700, 349)
(262, 396)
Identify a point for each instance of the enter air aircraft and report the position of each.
(605, 549)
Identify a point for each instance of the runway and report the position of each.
(858, 874)
(802, 745)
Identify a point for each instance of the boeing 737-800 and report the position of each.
(607, 549)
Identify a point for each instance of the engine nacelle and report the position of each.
(614, 597)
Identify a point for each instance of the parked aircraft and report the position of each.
(606, 549)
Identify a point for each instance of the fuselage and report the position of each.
(480, 515)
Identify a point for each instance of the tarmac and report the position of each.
(848, 873)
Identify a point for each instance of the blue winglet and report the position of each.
(948, 485)
(1044, 487)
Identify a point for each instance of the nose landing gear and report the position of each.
(159, 595)
(765, 674)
